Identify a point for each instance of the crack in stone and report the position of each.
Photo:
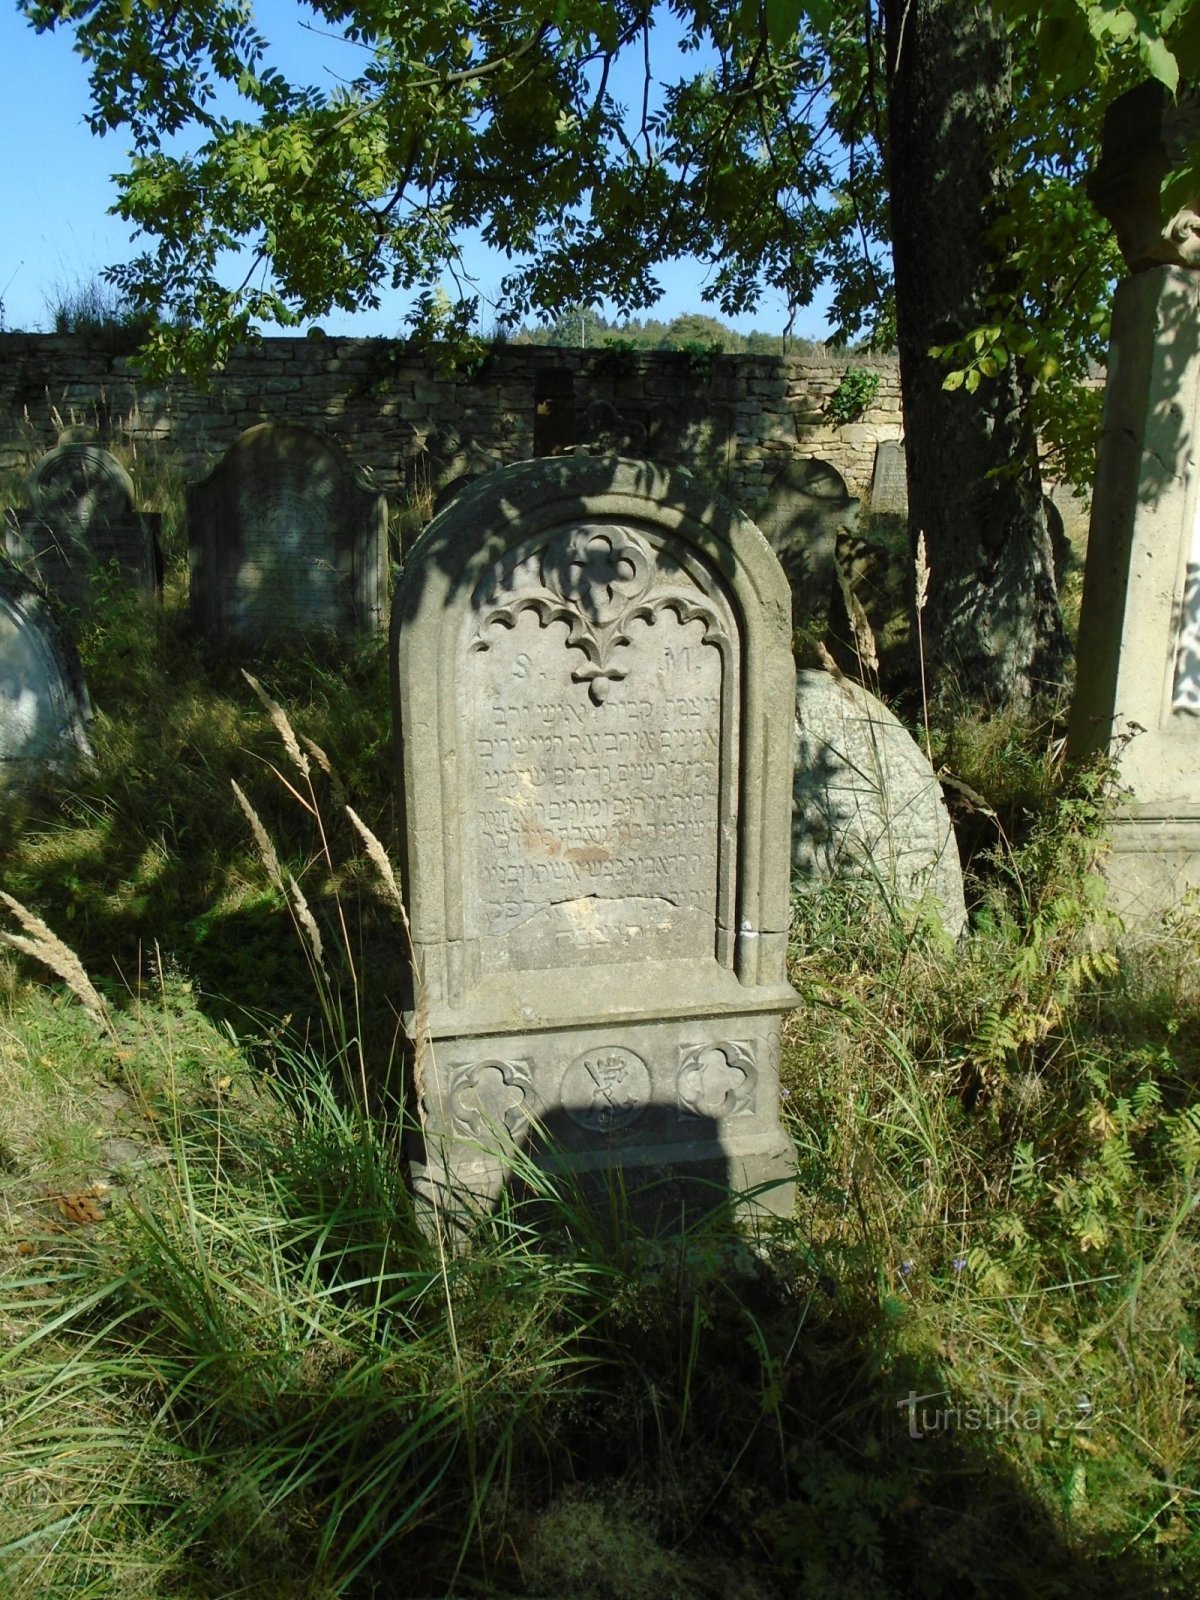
(640, 900)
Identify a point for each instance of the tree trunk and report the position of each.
(992, 625)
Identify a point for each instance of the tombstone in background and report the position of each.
(867, 805)
(44, 706)
(284, 536)
(889, 480)
(1139, 635)
(699, 434)
(594, 700)
(451, 462)
(807, 505)
(81, 523)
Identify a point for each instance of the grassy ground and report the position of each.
(232, 1363)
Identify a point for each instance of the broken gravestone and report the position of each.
(44, 706)
(807, 505)
(284, 536)
(889, 480)
(81, 524)
(867, 804)
(594, 697)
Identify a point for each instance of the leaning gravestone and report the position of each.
(285, 537)
(44, 707)
(867, 804)
(81, 522)
(807, 505)
(594, 697)
(889, 481)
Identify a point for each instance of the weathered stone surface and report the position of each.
(1139, 629)
(594, 688)
(44, 706)
(284, 536)
(867, 804)
(82, 524)
(889, 481)
(807, 505)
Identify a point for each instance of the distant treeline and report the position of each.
(579, 327)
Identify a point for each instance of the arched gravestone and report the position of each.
(44, 707)
(594, 700)
(867, 804)
(81, 523)
(284, 536)
(807, 505)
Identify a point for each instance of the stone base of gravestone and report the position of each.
(808, 504)
(867, 804)
(127, 550)
(44, 705)
(1154, 862)
(1139, 634)
(664, 1120)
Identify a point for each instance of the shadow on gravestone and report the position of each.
(594, 693)
(286, 536)
(867, 804)
(44, 705)
(698, 435)
(807, 505)
(80, 523)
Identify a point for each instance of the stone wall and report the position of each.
(733, 420)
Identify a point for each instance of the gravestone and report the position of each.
(44, 707)
(285, 537)
(867, 804)
(699, 434)
(81, 523)
(807, 505)
(1138, 679)
(594, 697)
(889, 480)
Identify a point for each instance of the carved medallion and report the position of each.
(717, 1081)
(606, 1089)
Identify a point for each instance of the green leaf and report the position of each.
(1152, 50)
(783, 19)
(953, 380)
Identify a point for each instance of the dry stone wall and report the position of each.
(735, 421)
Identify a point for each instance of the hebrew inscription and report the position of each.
(288, 560)
(597, 817)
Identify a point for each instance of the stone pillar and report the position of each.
(1138, 682)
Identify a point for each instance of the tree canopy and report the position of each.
(788, 143)
(262, 200)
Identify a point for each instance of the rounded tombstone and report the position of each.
(79, 484)
(866, 803)
(806, 507)
(44, 705)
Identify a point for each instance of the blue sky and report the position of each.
(57, 186)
